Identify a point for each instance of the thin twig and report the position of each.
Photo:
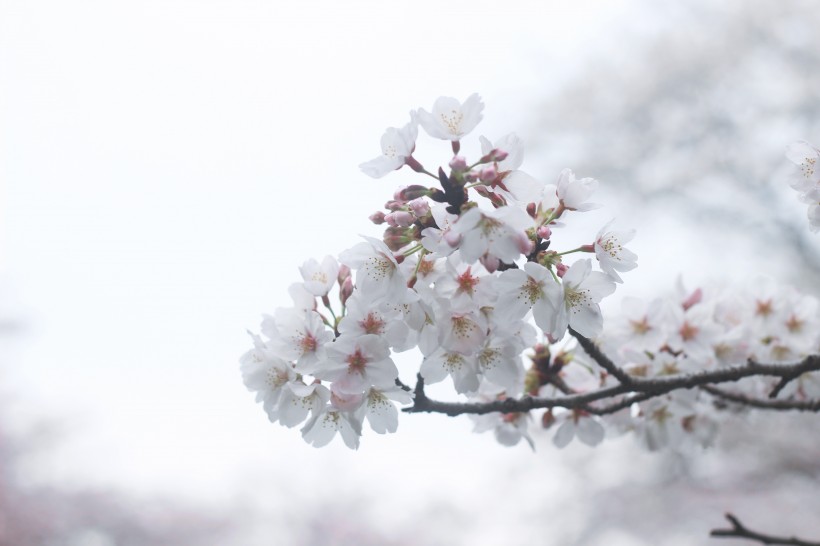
(739, 530)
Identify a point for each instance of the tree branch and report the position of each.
(601, 359)
(739, 530)
(643, 389)
(782, 405)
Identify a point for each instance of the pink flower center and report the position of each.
(356, 362)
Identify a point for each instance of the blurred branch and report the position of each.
(739, 530)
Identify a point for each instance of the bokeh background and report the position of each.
(167, 165)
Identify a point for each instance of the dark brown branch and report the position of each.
(782, 405)
(601, 359)
(739, 530)
(644, 389)
(781, 384)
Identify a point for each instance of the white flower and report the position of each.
(321, 429)
(377, 271)
(364, 316)
(441, 363)
(499, 233)
(397, 146)
(436, 240)
(297, 337)
(358, 363)
(509, 428)
(450, 119)
(585, 428)
(806, 177)
(611, 254)
(266, 374)
(522, 290)
(573, 193)
(299, 399)
(380, 411)
(499, 360)
(319, 279)
(577, 304)
(465, 286)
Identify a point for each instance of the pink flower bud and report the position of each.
(561, 269)
(346, 290)
(531, 210)
(471, 176)
(420, 207)
(490, 263)
(458, 163)
(451, 238)
(499, 155)
(410, 192)
(524, 243)
(394, 205)
(377, 217)
(344, 273)
(494, 155)
(488, 174)
(400, 218)
(544, 232)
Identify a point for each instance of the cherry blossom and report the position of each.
(450, 119)
(611, 254)
(577, 304)
(397, 146)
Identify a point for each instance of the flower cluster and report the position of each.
(805, 178)
(708, 328)
(466, 272)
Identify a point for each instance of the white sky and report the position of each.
(166, 166)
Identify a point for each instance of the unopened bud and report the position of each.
(544, 232)
(494, 155)
(561, 269)
(377, 217)
(587, 248)
(524, 243)
(410, 192)
(400, 218)
(488, 174)
(490, 263)
(420, 207)
(452, 238)
(458, 163)
(531, 210)
(344, 273)
(394, 205)
(548, 419)
(414, 164)
(346, 290)
(471, 176)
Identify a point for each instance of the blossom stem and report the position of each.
(412, 250)
(579, 249)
